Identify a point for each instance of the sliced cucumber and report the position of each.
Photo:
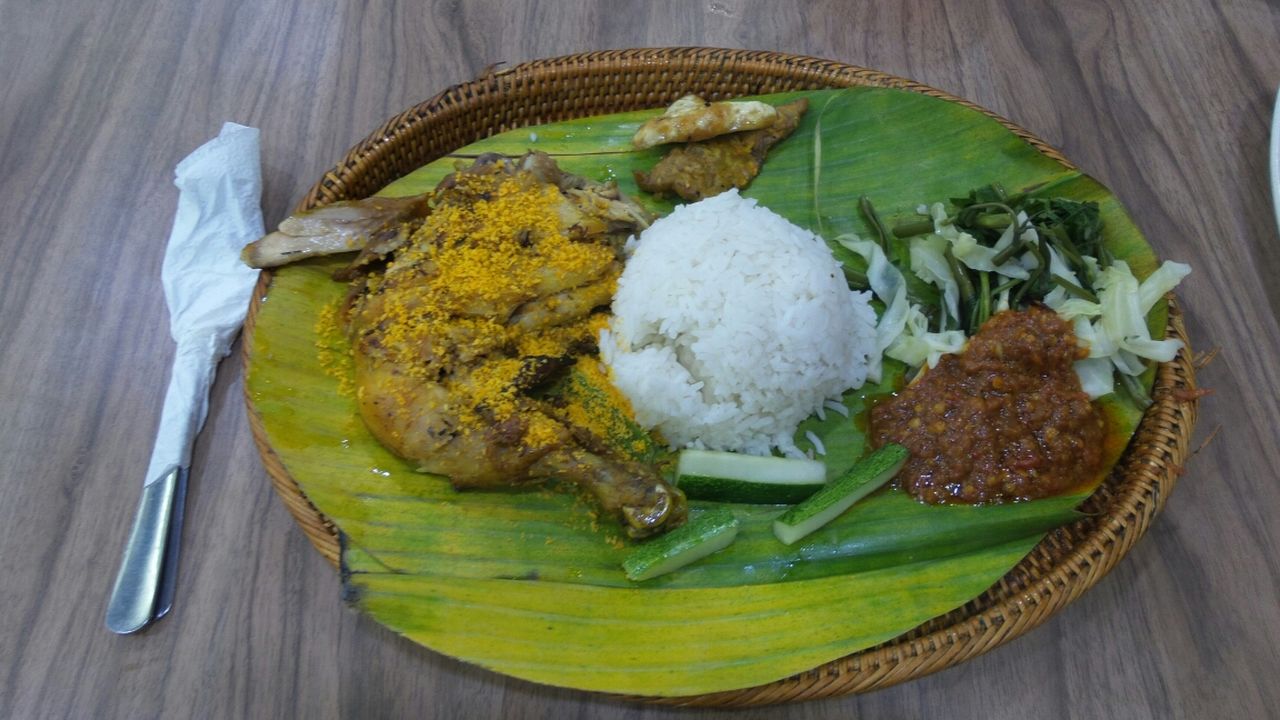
(758, 468)
(701, 487)
(827, 504)
(698, 538)
(734, 477)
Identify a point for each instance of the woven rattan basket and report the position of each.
(1062, 567)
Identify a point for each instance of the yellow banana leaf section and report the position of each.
(670, 641)
(529, 582)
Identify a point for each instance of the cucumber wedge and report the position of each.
(700, 487)
(734, 477)
(827, 504)
(700, 537)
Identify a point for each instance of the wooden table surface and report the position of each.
(1168, 102)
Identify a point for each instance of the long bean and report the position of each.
(1133, 386)
(965, 286)
(1042, 267)
(873, 218)
(984, 299)
(1006, 285)
(855, 278)
(1073, 288)
(913, 228)
(1008, 253)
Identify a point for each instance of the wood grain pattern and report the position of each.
(1168, 103)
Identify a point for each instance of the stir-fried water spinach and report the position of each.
(1071, 228)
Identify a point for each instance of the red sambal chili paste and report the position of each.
(1003, 420)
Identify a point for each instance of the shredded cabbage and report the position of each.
(1165, 278)
(917, 346)
(890, 287)
(1073, 308)
(1002, 302)
(1057, 296)
(1097, 378)
(980, 257)
(1115, 328)
(1124, 314)
(903, 330)
(929, 264)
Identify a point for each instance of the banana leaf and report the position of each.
(529, 582)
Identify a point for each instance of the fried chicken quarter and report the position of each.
(461, 309)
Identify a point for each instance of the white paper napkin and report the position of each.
(206, 285)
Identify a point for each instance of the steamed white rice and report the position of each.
(731, 325)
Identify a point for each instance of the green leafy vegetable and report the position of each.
(1072, 229)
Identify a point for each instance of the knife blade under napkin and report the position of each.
(207, 290)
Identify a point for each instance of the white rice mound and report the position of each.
(731, 325)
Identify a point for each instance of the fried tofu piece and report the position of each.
(691, 119)
(705, 169)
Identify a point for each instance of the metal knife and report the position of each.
(207, 291)
(148, 573)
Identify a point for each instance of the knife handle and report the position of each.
(133, 599)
